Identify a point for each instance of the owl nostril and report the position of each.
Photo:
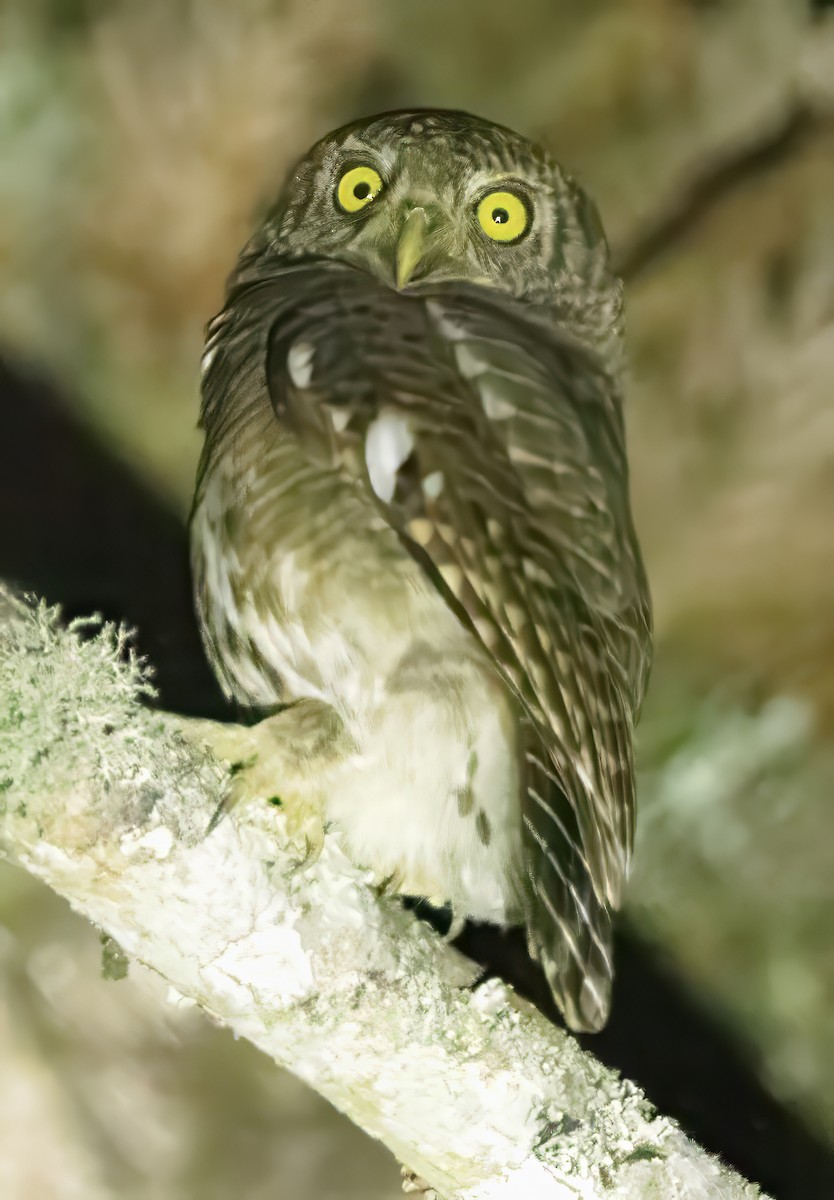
(425, 203)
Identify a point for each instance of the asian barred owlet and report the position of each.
(412, 529)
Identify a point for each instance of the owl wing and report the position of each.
(571, 602)
(494, 446)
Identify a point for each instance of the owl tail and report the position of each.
(568, 927)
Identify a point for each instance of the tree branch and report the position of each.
(109, 803)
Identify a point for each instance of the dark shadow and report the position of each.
(77, 527)
(688, 1063)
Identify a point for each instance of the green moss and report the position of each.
(642, 1152)
(114, 963)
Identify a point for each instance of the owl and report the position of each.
(411, 534)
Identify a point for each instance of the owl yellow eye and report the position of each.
(358, 187)
(503, 216)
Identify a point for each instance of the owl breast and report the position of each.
(294, 605)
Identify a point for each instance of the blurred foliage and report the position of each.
(136, 143)
(733, 871)
(142, 1098)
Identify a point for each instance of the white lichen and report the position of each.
(473, 1090)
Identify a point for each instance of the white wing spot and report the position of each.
(564, 665)
(387, 446)
(485, 630)
(516, 616)
(534, 572)
(300, 363)
(340, 418)
(433, 484)
(421, 530)
(528, 457)
(207, 358)
(453, 577)
(449, 328)
(494, 404)
(469, 365)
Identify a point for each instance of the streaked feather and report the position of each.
(529, 540)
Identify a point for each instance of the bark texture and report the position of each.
(111, 803)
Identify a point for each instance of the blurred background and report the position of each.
(138, 142)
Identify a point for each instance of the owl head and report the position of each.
(426, 198)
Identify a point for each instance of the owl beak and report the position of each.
(411, 246)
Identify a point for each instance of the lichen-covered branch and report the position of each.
(109, 802)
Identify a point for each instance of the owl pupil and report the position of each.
(362, 191)
(500, 216)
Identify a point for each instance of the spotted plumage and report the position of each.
(412, 509)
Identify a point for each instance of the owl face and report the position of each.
(423, 198)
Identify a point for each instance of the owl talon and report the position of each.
(310, 829)
(263, 770)
(391, 885)
(456, 928)
(414, 1183)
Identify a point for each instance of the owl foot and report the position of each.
(391, 885)
(414, 1183)
(263, 778)
(274, 762)
(456, 927)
